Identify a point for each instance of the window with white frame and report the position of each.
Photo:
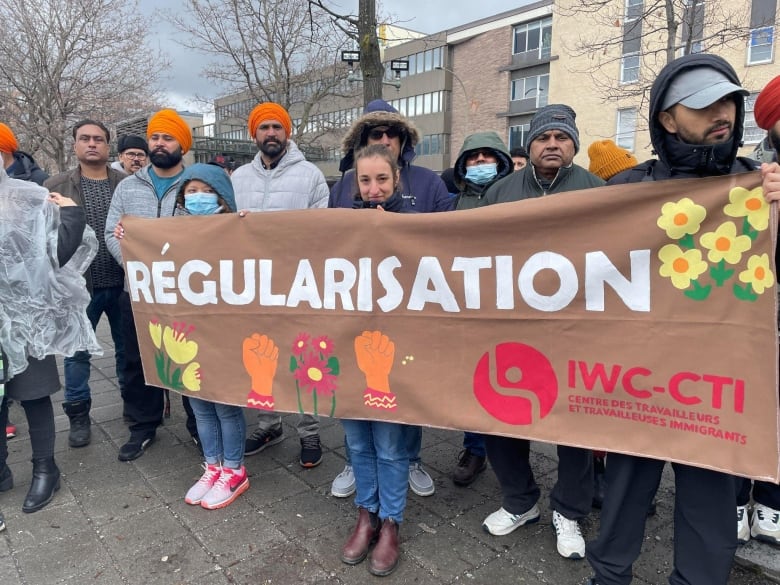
(760, 45)
(532, 37)
(632, 41)
(535, 87)
(752, 134)
(517, 135)
(625, 136)
(629, 68)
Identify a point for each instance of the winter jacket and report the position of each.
(764, 152)
(469, 193)
(135, 196)
(25, 168)
(422, 189)
(677, 159)
(294, 183)
(523, 184)
(69, 185)
(394, 204)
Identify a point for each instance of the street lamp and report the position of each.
(396, 65)
(465, 93)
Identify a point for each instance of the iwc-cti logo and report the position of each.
(516, 383)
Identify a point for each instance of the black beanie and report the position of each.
(132, 141)
(554, 117)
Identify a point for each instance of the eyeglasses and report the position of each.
(390, 132)
(135, 155)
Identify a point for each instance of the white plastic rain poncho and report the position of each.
(42, 305)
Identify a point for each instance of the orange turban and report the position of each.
(169, 122)
(8, 141)
(269, 111)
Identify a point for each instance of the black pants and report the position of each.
(40, 419)
(763, 492)
(705, 522)
(144, 404)
(573, 492)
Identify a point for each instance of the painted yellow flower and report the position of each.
(683, 217)
(155, 332)
(178, 348)
(681, 266)
(725, 244)
(750, 204)
(758, 274)
(191, 377)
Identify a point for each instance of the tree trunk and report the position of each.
(370, 60)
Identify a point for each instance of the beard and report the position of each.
(272, 148)
(166, 160)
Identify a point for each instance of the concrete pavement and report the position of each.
(126, 523)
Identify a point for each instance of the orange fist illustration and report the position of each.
(375, 353)
(260, 355)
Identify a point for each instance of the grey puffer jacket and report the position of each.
(294, 183)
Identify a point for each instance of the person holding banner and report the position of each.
(553, 140)
(378, 449)
(697, 110)
(764, 524)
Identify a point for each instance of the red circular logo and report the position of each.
(524, 389)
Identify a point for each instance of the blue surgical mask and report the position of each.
(201, 203)
(481, 174)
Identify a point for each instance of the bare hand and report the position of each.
(770, 173)
(60, 200)
(119, 231)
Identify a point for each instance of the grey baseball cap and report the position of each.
(698, 88)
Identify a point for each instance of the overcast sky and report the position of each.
(427, 16)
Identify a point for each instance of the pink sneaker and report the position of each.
(10, 431)
(203, 485)
(231, 484)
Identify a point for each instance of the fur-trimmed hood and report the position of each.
(377, 113)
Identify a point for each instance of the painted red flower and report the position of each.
(314, 375)
(300, 343)
(323, 344)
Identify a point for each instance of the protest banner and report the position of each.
(635, 318)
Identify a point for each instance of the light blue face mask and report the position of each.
(481, 174)
(201, 203)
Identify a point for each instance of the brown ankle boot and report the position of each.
(384, 557)
(363, 536)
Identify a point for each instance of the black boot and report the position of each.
(80, 427)
(6, 479)
(45, 481)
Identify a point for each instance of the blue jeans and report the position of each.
(221, 428)
(104, 300)
(413, 440)
(381, 466)
(474, 443)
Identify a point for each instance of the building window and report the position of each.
(533, 37)
(517, 135)
(752, 134)
(761, 45)
(692, 27)
(626, 128)
(629, 68)
(536, 87)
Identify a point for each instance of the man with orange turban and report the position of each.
(766, 111)
(150, 192)
(279, 178)
(18, 164)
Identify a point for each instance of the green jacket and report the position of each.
(524, 185)
(470, 194)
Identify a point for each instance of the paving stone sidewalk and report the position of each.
(116, 523)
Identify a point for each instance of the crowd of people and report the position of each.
(696, 122)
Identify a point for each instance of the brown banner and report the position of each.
(637, 318)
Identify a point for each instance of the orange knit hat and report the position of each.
(607, 159)
(8, 141)
(269, 111)
(766, 110)
(169, 122)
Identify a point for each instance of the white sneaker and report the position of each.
(501, 522)
(343, 484)
(570, 543)
(743, 525)
(419, 481)
(231, 484)
(765, 525)
(203, 485)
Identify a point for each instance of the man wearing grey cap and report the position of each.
(552, 142)
(696, 120)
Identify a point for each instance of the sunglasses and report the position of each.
(390, 132)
